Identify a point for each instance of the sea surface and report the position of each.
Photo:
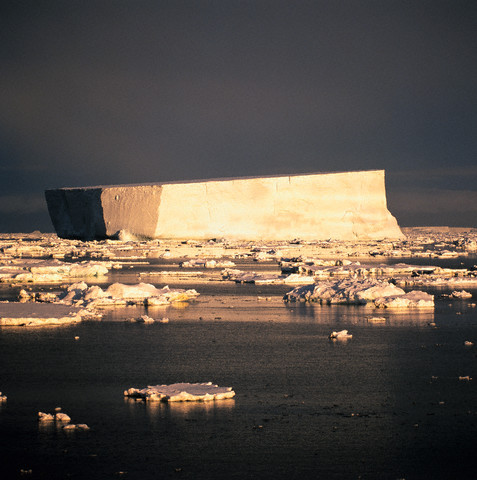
(386, 404)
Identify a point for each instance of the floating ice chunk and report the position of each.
(353, 291)
(341, 335)
(181, 392)
(121, 294)
(46, 417)
(466, 378)
(411, 299)
(62, 417)
(376, 320)
(199, 263)
(38, 314)
(3, 398)
(300, 279)
(82, 426)
(467, 343)
(74, 427)
(461, 294)
(145, 319)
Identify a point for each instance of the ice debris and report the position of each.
(3, 398)
(144, 319)
(181, 392)
(341, 335)
(381, 293)
(199, 263)
(61, 420)
(120, 294)
(461, 294)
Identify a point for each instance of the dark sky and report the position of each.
(106, 92)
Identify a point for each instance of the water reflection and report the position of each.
(362, 315)
(180, 410)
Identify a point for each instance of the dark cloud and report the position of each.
(101, 92)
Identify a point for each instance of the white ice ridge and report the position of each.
(347, 205)
(181, 392)
(359, 291)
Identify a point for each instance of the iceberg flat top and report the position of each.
(223, 179)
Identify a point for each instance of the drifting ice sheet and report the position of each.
(37, 314)
(181, 392)
(360, 291)
(120, 294)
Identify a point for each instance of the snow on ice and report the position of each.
(181, 392)
(359, 291)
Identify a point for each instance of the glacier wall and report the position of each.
(347, 205)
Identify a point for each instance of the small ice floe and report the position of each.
(61, 420)
(72, 427)
(341, 335)
(17, 314)
(3, 398)
(206, 263)
(461, 294)
(181, 392)
(144, 319)
(264, 299)
(376, 319)
(57, 417)
(76, 338)
(62, 417)
(163, 320)
(466, 378)
(45, 417)
(468, 343)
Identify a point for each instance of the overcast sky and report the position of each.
(106, 92)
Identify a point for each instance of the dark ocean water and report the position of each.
(387, 404)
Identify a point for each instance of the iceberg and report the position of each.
(344, 205)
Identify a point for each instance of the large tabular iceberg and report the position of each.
(349, 205)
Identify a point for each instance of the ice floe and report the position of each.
(80, 294)
(60, 420)
(16, 314)
(49, 271)
(462, 294)
(341, 335)
(206, 263)
(181, 392)
(381, 293)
